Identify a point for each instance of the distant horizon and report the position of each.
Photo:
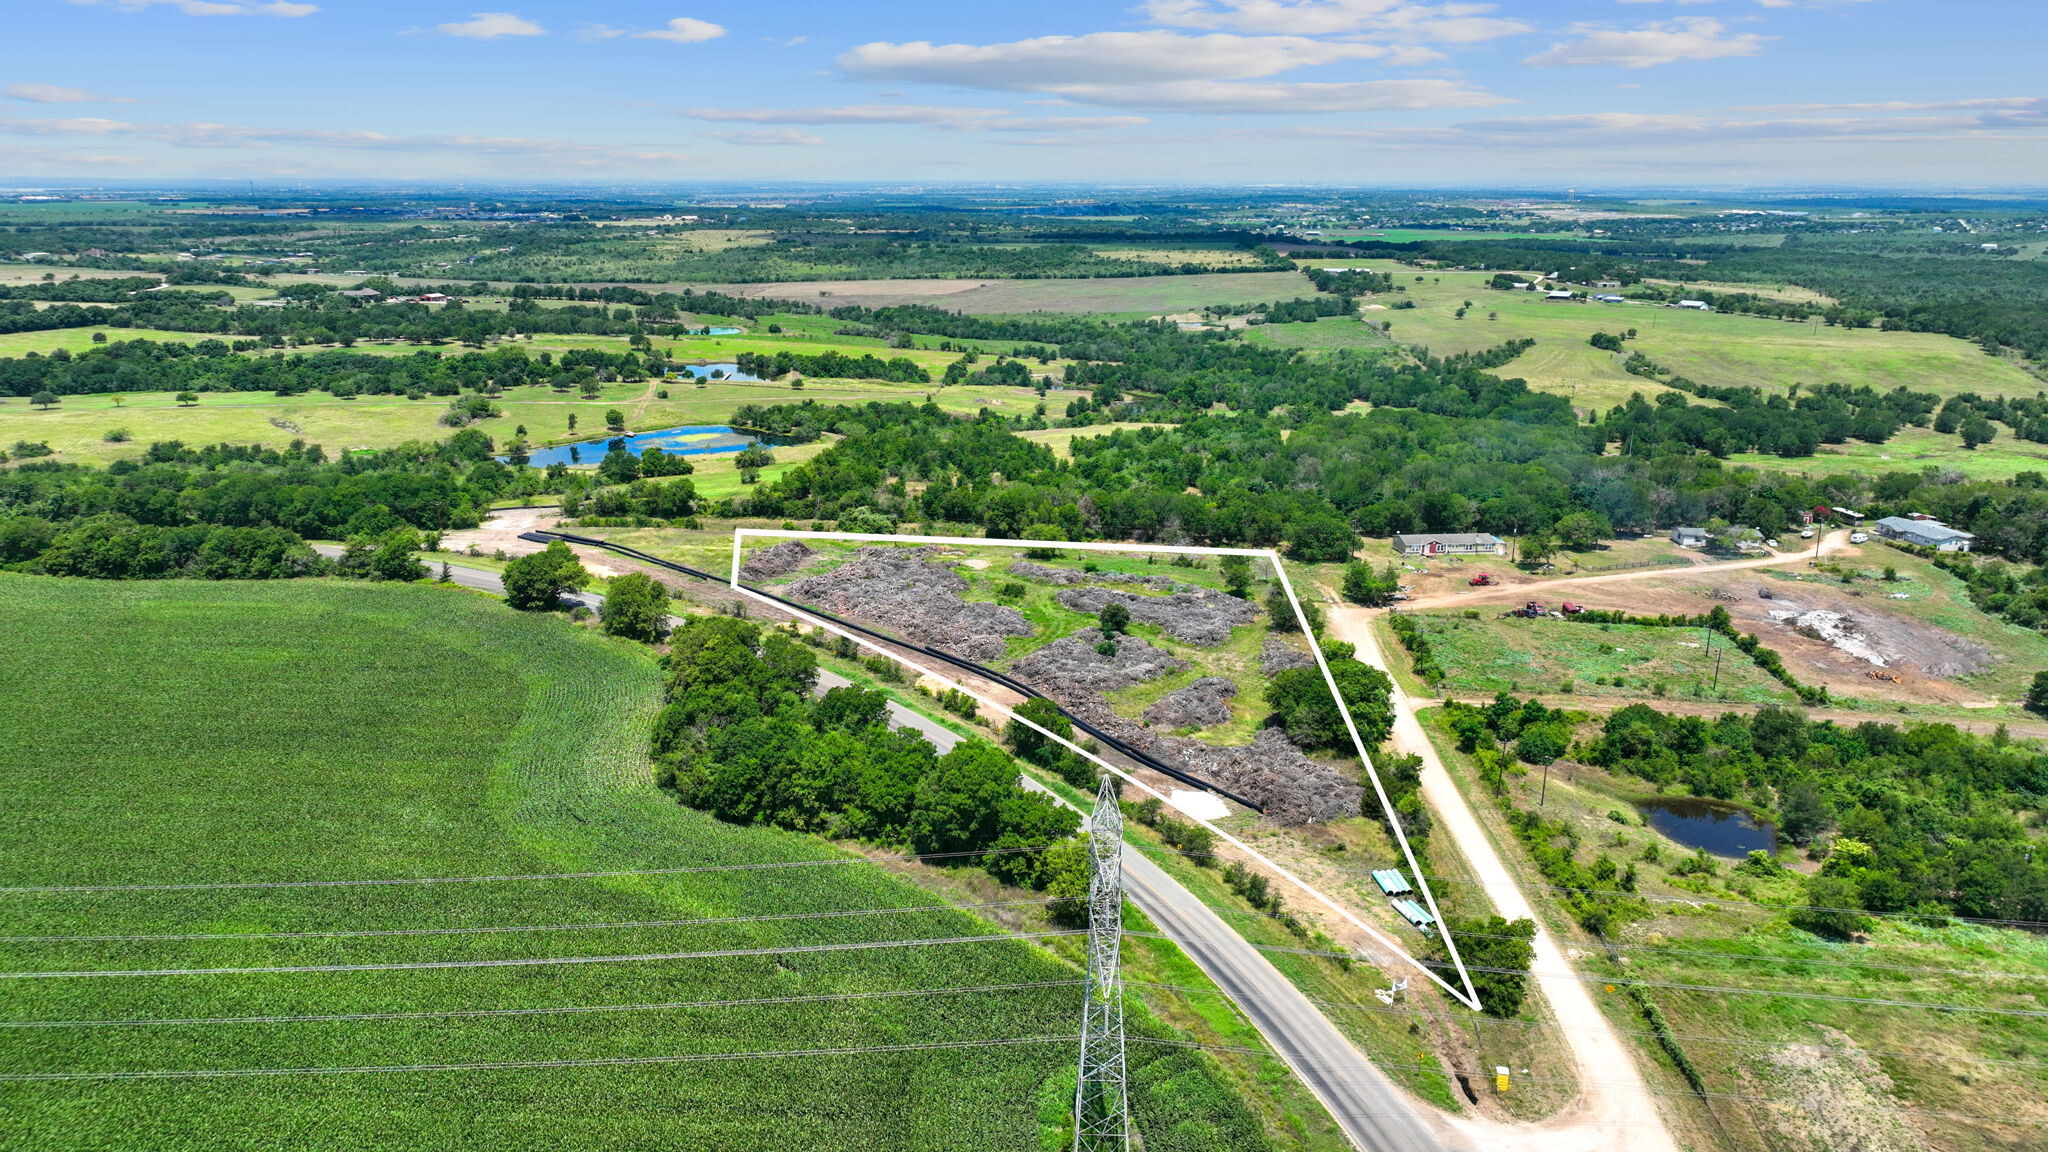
(31, 185)
(1350, 93)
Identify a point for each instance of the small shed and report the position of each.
(1689, 537)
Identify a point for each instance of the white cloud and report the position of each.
(1049, 62)
(1166, 71)
(1692, 38)
(491, 26)
(684, 30)
(848, 114)
(58, 94)
(521, 153)
(762, 136)
(283, 8)
(1219, 97)
(1457, 23)
(1997, 119)
(955, 119)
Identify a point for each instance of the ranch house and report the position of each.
(1925, 533)
(1689, 537)
(1449, 544)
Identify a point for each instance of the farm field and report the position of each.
(1910, 451)
(76, 428)
(375, 760)
(81, 339)
(1131, 297)
(1772, 1065)
(1720, 349)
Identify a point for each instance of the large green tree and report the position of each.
(636, 607)
(537, 583)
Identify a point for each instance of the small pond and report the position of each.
(718, 331)
(1722, 829)
(689, 440)
(726, 371)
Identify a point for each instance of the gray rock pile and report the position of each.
(779, 560)
(1046, 574)
(901, 590)
(1271, 772)
(1292, 788)
(1198, 617)
(1071, 666)
(1205, 702)
(1278, 656)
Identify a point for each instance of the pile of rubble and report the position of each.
(1046, 574)
(1270, 772)
(1199, 705)
(1198, 617)
(779, 560)
(1073, 666)
(901, 590)
(1278, 656)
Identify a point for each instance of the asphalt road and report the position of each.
(1373, 1113)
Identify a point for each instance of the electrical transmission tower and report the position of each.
(1102, 1112)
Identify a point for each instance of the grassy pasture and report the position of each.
(1132, 297)
(1711, 348)
(326, 731)
(81, 339)
(1910, 451)
(77, 427)
(1490, 655)
(1979, 1080)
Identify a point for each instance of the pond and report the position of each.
(689, 440)
(717, 331)
(725, 371)
(1722, 829)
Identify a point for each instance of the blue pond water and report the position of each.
(689, 440)
(727, 371)
(717, 331)
(1721, 829)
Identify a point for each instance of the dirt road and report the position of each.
(1831, 543)
(1614, 1111)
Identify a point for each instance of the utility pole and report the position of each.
(1102, 1107)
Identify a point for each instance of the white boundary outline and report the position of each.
(1469, 997)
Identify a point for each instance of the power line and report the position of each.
(563, 1010)
(1681, 987)
(1758, 957)
(789, 949)
(93, 889)
(1454, 1071)
(1493, 1022)
(513, 1065)
(598, 926)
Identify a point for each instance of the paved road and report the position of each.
(1614, 1111)
(1374, 1114)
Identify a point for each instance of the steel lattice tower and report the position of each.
(1102, 1112)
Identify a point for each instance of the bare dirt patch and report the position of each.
(1826, 634)
(1830, 1095)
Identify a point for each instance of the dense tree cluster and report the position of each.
(214, 366)
(743, 738)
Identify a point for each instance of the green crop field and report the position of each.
(322, 731)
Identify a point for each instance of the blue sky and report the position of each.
(1390, 92)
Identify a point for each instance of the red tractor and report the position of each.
(1483, 580)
